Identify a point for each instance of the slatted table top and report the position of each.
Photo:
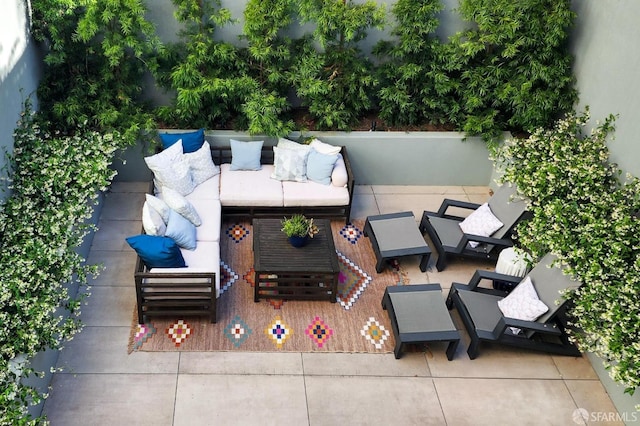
(274, 253)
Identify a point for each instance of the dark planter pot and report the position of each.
(298, 241)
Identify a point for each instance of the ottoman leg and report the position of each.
(424, 262)
(397, 351)
(451, 349)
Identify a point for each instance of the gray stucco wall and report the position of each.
(377, 158)
(20, 71)
(605, 45)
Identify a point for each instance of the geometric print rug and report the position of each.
(355, 323)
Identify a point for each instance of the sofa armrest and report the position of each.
(188, 292)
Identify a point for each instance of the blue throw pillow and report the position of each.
(181, 230)
(157, 252)
(320, 166)
(245, 155)
(191, 141)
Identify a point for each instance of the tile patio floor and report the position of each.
(102, 385)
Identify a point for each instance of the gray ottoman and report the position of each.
(418, 314)
(396, 235)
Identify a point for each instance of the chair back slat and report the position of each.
(549, 283)
(508, 207)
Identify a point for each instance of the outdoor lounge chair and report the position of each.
(484, 320)
(448, 239)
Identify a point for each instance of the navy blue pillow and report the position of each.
(157, 251)
(191, 141)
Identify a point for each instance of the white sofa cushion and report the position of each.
(290, 164)
(250, 188)
(314, 194)
(205, 258)
(159, 206)
(210, 213)
(207, 190)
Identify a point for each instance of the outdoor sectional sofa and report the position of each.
(188, 283)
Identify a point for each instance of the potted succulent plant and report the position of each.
(298, 228)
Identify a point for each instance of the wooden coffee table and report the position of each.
(286, 272)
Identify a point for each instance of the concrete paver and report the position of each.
(101, 384)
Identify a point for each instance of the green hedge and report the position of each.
(511, 71)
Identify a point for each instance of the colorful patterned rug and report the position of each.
(356, 323)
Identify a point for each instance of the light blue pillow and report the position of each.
(246, 155)
(320, 166)
(191, 141)
(156, 251)
(181, 230)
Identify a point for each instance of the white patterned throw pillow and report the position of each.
(481, 222)
(152, 221)
(290, 164)
(201, 164)
(171, 169)
(181, 205)
(522, 303)
(325, 148)
(159, 206)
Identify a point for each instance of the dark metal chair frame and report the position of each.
(448, 240)
(485, 323)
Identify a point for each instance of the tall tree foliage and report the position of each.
(513, 68)
(209, 76)
(337, 81)
(99, 53)
(268, 56)
(413, 86)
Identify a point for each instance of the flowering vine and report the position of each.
(584, 212)
(54, 182)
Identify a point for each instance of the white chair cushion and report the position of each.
(314, 194)
(522, 303)
(250, 188)
(480, 222)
